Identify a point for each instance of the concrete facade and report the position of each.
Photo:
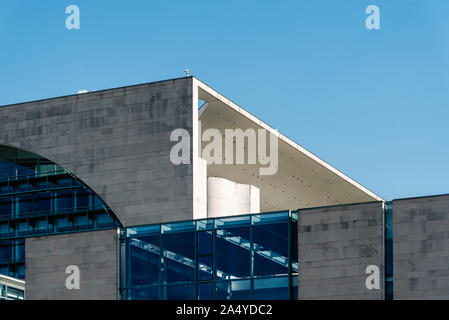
(116, 141)
(421, 248)
(336, 244)
(95, 254)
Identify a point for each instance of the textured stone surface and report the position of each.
(336, 244)
(118, 142)
(95, 253)
(421, 248)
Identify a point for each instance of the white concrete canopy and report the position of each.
(303, 180)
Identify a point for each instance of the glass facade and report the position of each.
(38, 197)
(11, 289)
(241, 257)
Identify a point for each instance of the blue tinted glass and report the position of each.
(60, 224)
(104, 220)
(271, 249)
(294, 250)
(207, 224)
(65, 182)
(143, 293)
(144, 230)
(232, 221)
(205, 268)
(271, 217)
(232, 253)
(143, 260)
(178, 257)
(178, 227)
(179, 292)
(3, 269)
(6, 251)
(25, 168)
(205, 239)
(25, 187)
(82, 199)
(5, 189)
(64, 200)
(205, 291)
(42, 202)
(19, 271)
(81, 221)
(21, 227)
(271, 289)
(205, 255)
(42, 185)
(7, 168)
(40, 225)
(5, 206)
(294, 288)
(19, 251)
(4, 229)
(25, 204)
(223, 254)
(233, 290)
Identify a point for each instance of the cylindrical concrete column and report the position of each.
(228, 198)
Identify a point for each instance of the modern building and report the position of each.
(169, 190)
(11, 288)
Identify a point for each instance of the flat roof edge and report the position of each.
(92, 92)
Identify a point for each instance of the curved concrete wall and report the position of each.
(117, 142)
(228, 198)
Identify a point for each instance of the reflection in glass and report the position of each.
(232, 290)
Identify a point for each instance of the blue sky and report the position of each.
(372, 103)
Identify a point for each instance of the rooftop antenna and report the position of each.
(187, 72)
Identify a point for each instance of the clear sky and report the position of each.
(372, 103)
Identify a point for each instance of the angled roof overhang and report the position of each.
(302, 180)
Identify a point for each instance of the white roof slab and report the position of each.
(302, 181)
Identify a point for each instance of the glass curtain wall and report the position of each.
(38, 197)
(241, 257)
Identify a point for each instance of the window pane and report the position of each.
(205, 266)
(21, 227)
(144, 260)
(271, 249)
(42, 202)
(178, 227)
(232, 290)
(7, 169)
(64, 200)
(232, 253)
(271, 289)
(40, 225)
(82, 199)
(271, 217)
(232, 222)
(61, 224)
(6, 250)
(178, 257)
(104, 220)
(143, 293)
(81, 221)
(205, 291)
(5, 206)
(179, 292)
(4, 229)
(25, 204)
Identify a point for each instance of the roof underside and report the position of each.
(302, 180)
